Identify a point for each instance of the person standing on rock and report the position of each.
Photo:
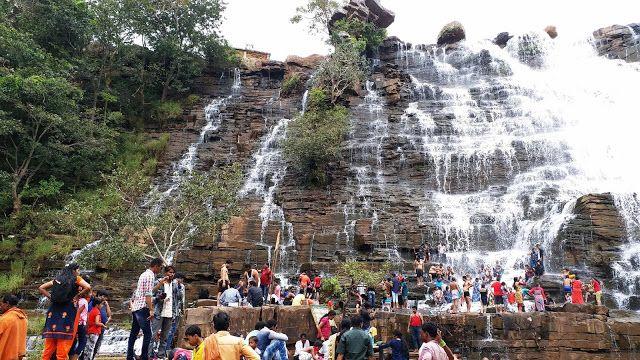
(304, 282)
(265, 281)
(254, 295)
(576, 291)
(539, 297)
(466, 288)
(354, 344)
(142, 309)
(224, 271)
(498, 295)
(178, 308)
(419, 268)
(455, 296)
(597, 290)
(13, 329)
(414, 327)
(105, 313)
(396, 289)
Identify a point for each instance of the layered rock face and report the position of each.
(619, 42)
(365, 10)
(575, 332)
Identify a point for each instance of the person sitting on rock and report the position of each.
(224, 346)
(272, 344)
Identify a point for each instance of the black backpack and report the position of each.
(62, 293)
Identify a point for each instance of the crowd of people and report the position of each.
(488, 288)
(78, 315)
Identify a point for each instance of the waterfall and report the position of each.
(507, 147)
(183, 168)
(265, 176)
(304, 101)
(237, 83)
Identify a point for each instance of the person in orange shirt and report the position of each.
(304, 282)
(62, 319)
(13, 330)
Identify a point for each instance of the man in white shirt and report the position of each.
(163, 315)
(301, 344)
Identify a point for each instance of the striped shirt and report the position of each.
(144, 289)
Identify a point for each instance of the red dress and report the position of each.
(576, 292)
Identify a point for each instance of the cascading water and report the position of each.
(508, 147)
(368, 132)
(264, 178)
(184, 167)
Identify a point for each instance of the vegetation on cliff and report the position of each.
(314, 138)
(78, 81)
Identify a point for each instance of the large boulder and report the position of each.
(366, 10)
(551, 31)
(309, 62)
(619, 42)
(451, 33)
(502, 39)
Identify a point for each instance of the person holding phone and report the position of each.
(163, 299)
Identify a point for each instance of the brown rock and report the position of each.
(451, 33)
(309, 62)
(551, 31)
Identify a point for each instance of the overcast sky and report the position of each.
(264, 24)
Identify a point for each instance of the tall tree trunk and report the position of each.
(17, 201)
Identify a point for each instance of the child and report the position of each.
(81, 335)
(94, 327)
(519, 298)
(253, 343)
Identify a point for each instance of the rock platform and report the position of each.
(569, 332)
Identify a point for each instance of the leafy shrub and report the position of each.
(361, 272)
(291, 84)
(36, 324)
(167, 110)
(314, 138)
(10, 283)
(191, 101)
(156, 147)
(331, 288)
(366, 36)
(342, 71)
(113, 253)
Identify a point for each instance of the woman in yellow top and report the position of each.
(519, 298)
(61, 323)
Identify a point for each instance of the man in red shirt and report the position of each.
(498, 294)
(265, 281)
(317, 283)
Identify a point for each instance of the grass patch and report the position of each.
(10, 283)
(35, 324)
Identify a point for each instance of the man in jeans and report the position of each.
(164, 299)
(142, 310)
(272, 344)
(265, 281)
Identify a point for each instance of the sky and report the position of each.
(264, 24)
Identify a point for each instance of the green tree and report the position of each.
(205, 202)
(343, 70)
(40, 130)
(61, 27)
(317, 13)
(365, 36)
(178, 32)
(314, 138)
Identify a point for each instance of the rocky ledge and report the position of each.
(569, 332)
(619, 42)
